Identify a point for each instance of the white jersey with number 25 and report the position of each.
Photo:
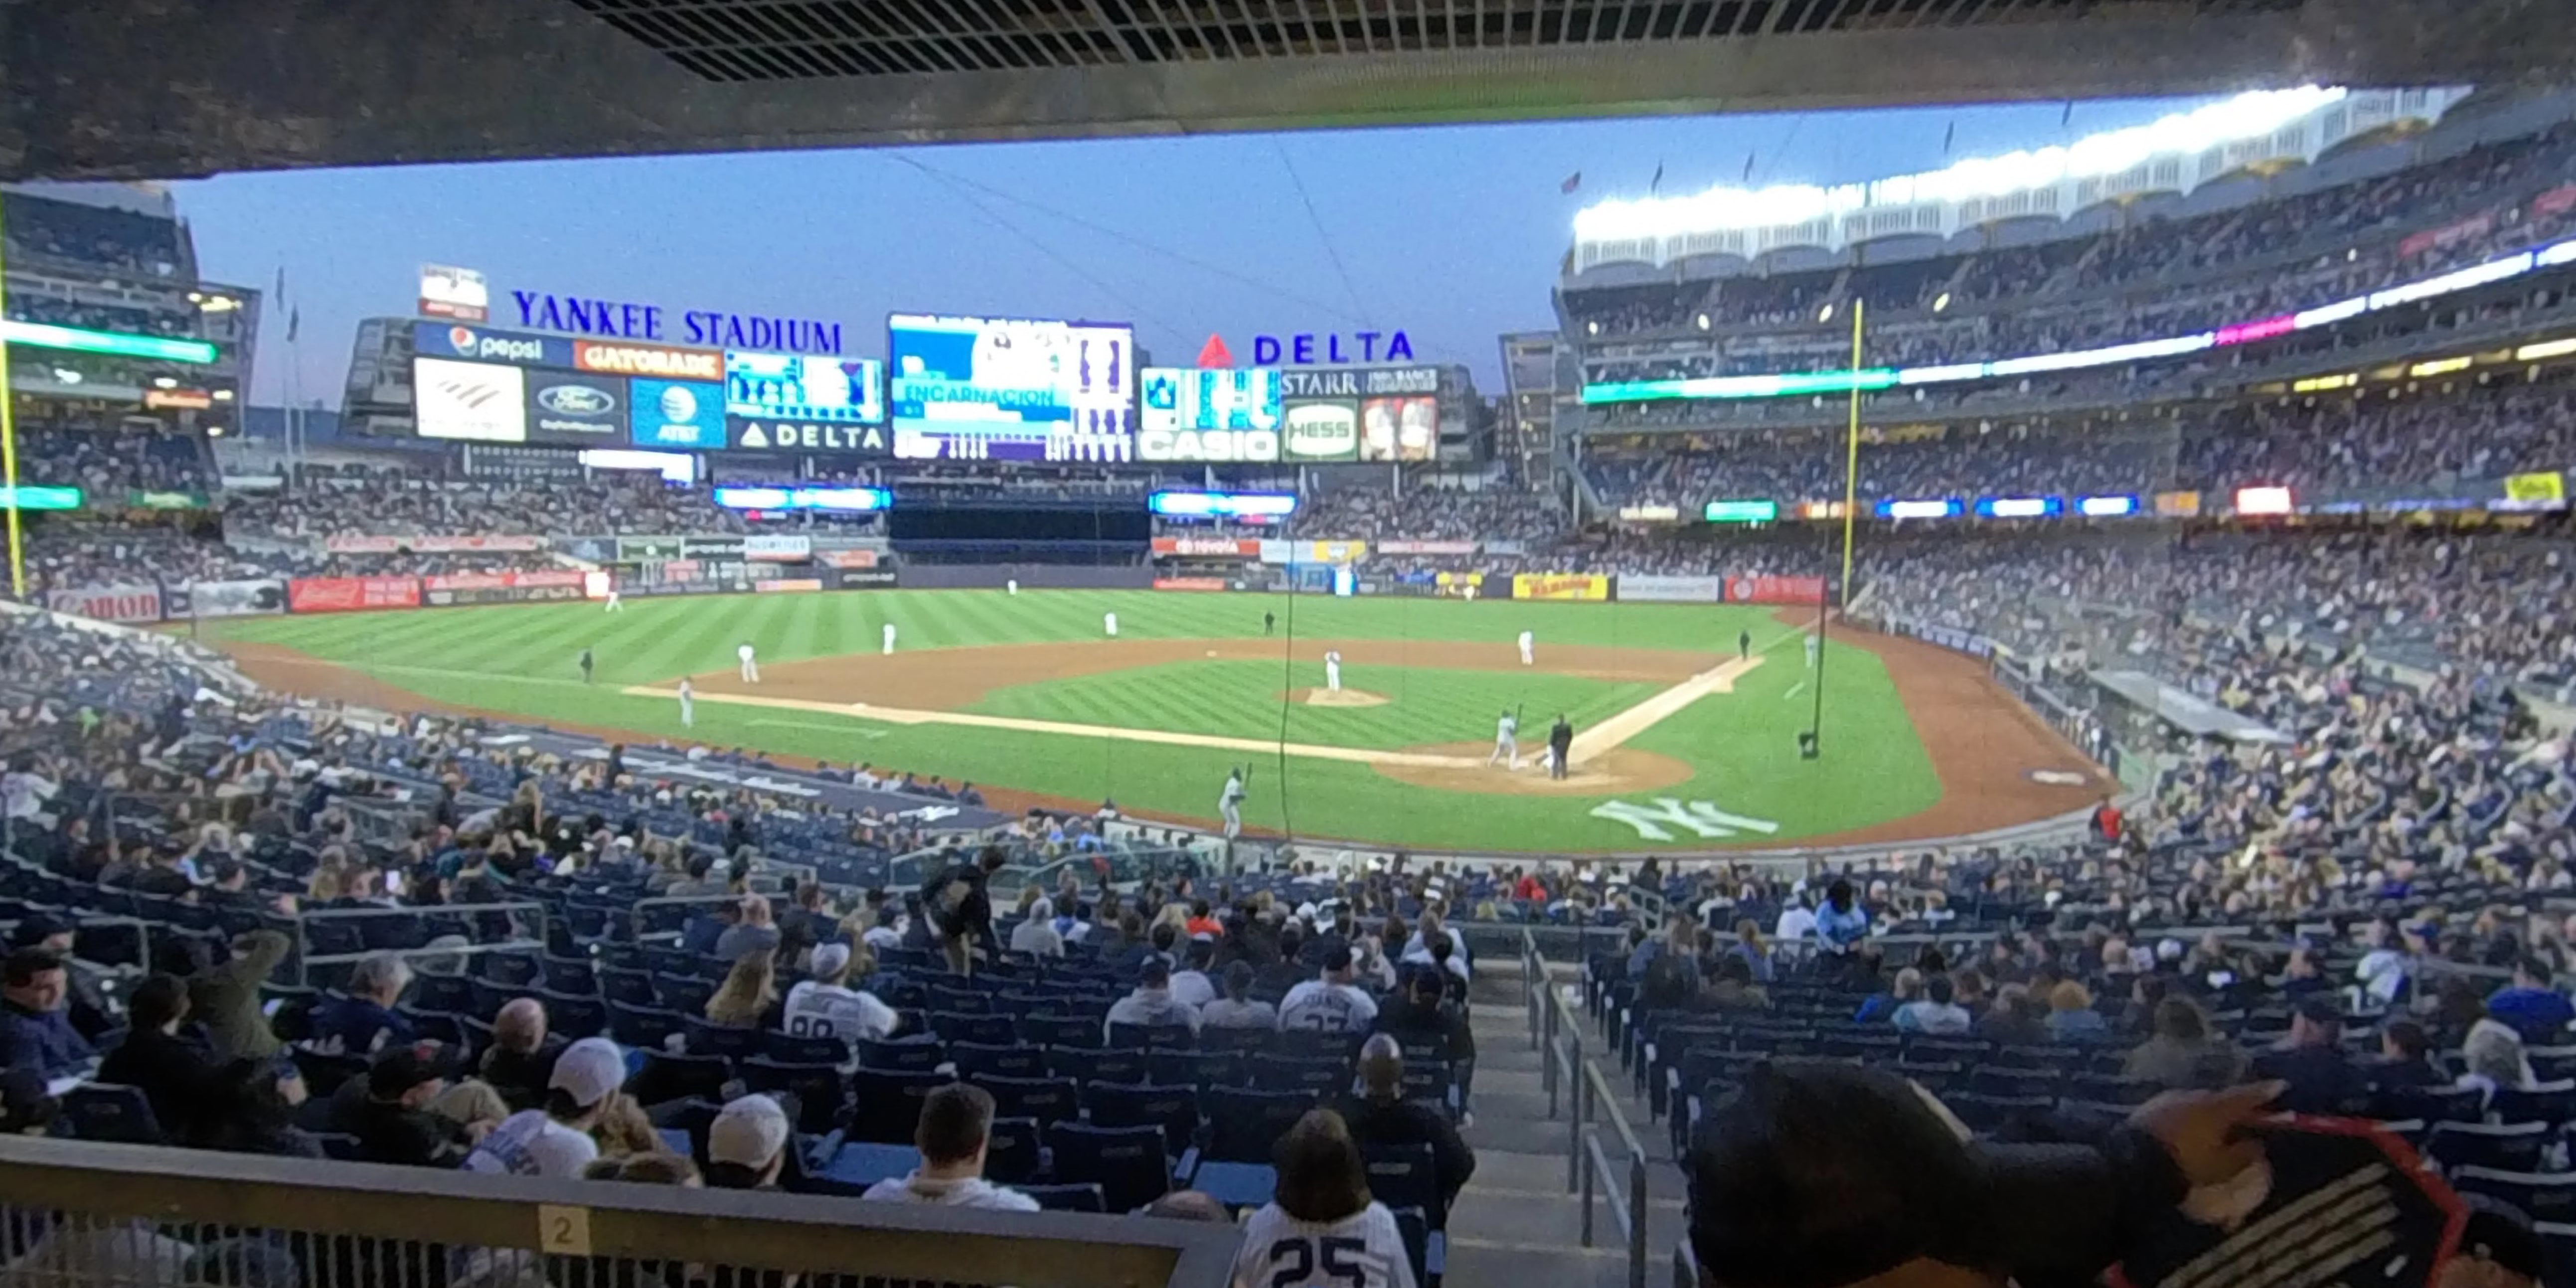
(1363, 1250)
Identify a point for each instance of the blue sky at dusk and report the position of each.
(1451, 234)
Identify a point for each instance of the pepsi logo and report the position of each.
(461, 339)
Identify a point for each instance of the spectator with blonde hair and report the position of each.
(749, 991)
(2071, 1017)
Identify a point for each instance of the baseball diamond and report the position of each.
(1023, 696)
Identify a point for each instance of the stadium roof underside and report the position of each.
(140, 88)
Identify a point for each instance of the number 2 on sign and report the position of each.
(563, 1231)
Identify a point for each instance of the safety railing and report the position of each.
(527, 921)
(86, 1215)
(1574, 1082)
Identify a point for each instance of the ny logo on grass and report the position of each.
(1701, 817)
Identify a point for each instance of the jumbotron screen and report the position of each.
(966, 388)
(795, 386)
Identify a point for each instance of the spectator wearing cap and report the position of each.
(754, 933)
(365, 1019)
(956, 1127)
(225, 998)
(826, 1004)
(2530, 1006)
(36, 1033)
(1152, 1005)
(556, 1140)
(522, 1056)
(1381, 1116)
(1330, 1002)
(1237, 1009)
(747, 1144)
(1819, 1174)
(393, 1122)
(2318, 1077)
(173, 1073)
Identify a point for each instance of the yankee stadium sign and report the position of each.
(701, 328)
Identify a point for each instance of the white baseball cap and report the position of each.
(829, 959)
(589, 1070)
(748, 1133)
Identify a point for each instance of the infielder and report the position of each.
(688, 704)
(614, 603)
(1333, 671)
(1529, 647)
(1813, 644)
(1507, 747)
(1229, 803)
(1109, 623)
(888, 635)
(750, 664)
(1011, 584)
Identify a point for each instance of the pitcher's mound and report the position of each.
(1336, 698)
(1617, 772)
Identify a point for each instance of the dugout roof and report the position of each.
(134, 88)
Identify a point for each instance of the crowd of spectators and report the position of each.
(1533, 519)
(106, 463)
(41, 228)
(604, 507)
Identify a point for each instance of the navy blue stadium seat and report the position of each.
(668, 1076)
(450, 993)
(706, 1037)
(1097, 1066)
(983, 1030)
(902, 1055)
(1194, 1068)
(2429, 1104)
(2548, 1197)
(789, 1049)
(887, 1106)
(1153, 1037)
(974, 1060)
(819, 1089)
(2549, 1102)
(1319, 1077)
(1062, 1031)
(1173, 1109)
(1085, 1197)
(643, 1028)
(1127, 1163)
(1047, 1100)
(1014, 1157)
(2505, 1147)
(111, 1112)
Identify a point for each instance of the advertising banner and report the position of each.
(2538, 489)
(430, 545)
(855, 579)
(166, 501)
(1650, 513)
(1671, 590)
(236, 598)
(2556, 201)
(1329, 552)
(477, 402)
(459, 293)
(1208, 547)
(1507, 549)
(1426, 547)
(479, 344)
(1767, 589)
(109, 603)
(801, 387)
(1399, 429)
(1274, 551)
(642, 549)
(1321, 431)
(502, 587)
(782, 549)
(679, 415)
(1560, 585)
(711, 547)
(2177, 505)
(1190, 583)
(2447, 235)
(1458, 585)
(582, 411)
(350, 594)
(820, 438)
(846, 558)
(787, 585)
(660, 362)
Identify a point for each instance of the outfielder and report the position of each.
(1229, 803)
(750, 664)
(688, 704)
(1507, 747)
(888, 634)
(614, 603)
(1529, 646)
(1813, 644)
(1333, 671)
(1109, 623)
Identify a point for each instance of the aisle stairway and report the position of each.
(1517, 1223)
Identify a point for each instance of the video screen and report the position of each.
(791, 386)
(1010, 389)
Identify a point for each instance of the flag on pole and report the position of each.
(277, 298)
(1748, 167)
(1656, 184)
(1948, 137)
(294, 323)
(2067, 120)
(1572, 182)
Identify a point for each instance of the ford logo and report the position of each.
(576, 400)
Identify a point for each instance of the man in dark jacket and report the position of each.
(226, 999)
(36, 1034)
(522, 1056)
(2321, 1078)
(1423, 1016)
(1382, 1116)
(393, 1123)
(959, 902)
(172, 1072)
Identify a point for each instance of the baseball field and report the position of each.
(1680, 743)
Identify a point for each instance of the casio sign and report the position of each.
(471, 343)
(577, 400)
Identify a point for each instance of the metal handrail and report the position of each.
(1558, 1033)
(305, 959)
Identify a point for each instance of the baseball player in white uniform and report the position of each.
(1813, 644)
(1507, 746)
(614, 604)
(1109, 623)
(1229, 803)
(1529, 649)
(888, 635)
(750, 663)
(1333, 671)
(1012, 585)
(688, 704)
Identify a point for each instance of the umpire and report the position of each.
(1560, 740)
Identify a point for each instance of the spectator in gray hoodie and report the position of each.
(1152, 1004)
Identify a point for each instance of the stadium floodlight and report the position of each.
(2544, 349)
(2253, 115)
(39, 335)
(2105, 507)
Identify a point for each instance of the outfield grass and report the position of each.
(1742, 745)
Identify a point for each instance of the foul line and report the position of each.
(1794, 690)
(1611, 734)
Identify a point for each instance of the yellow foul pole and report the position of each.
(9, 428)
(1851, 455)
